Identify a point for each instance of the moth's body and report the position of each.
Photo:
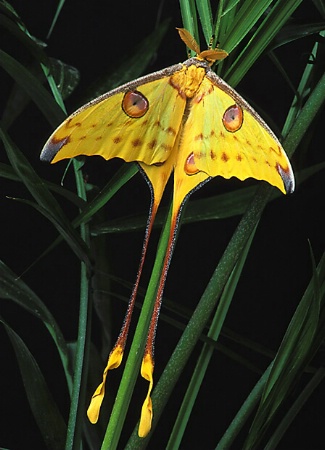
(182, 119)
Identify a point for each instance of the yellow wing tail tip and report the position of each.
(114, 360)
(147, 367)
(146, 418)
(94, 407)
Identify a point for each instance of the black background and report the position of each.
(93, 37)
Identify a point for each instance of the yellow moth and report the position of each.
(183, 119)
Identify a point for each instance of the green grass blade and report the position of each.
(207, 350)
(205, 14)
(189, 18)
(33, 88)
(295, 350)
(292, 413)
(44, 198)
(241, 23)
(13, 288)
(262, 37)
(51, 424)
(244, 413)
(302, 92)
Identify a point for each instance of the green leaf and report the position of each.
(51, 423)
(47, 203)
(13, 288)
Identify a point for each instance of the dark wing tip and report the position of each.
(287, 178)
(51, 148)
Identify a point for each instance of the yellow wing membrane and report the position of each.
(111, 126)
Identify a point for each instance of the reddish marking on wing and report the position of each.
(233, 118)
(177, 87)
(213, 155)
(199, 137)
(239, 157)
(117, 139)
(135, 104)
(151, 145)
(166, 147)
(224, 157)
(200, 97)
(171, 130)
(136, 142)
(190, 167)
(276, 151)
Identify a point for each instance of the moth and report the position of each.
(183, 120)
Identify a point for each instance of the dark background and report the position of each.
(93, 37)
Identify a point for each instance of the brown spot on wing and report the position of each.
(136, 142)
(276, 151)
(171, 130)
(213, 155)
(166, 147)
(151, 145)
(225, 157)
(117, 139)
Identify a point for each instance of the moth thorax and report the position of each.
(188, 80)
